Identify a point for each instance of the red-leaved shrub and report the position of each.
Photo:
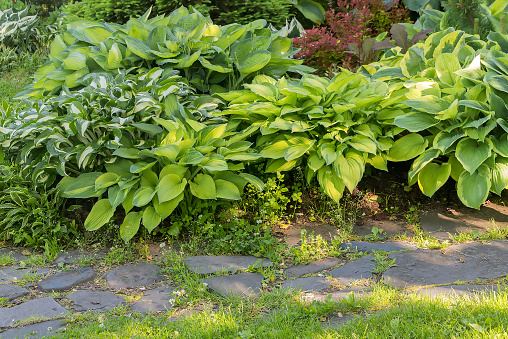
(350, 21)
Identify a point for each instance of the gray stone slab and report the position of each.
(207, 264)
(75, 256)
(377, 246)
(313, 267)
(97, 301)
(156, 300)
(336, 322)
(358, 269)
(133, 275)
(462, 262)
(12, 292)
(293, 232)
(65, 280)
(13, 253)
(44, 307)
(243, 284)
(39, 330)
(358, 291)
(10, 274)
(315, 284)
(456, 290)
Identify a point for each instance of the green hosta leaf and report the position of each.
(296, 151)
(151, 219)
(349, 168)
(499, 176)
(96, 34)
(415, 122)
(106, 180)
(130, 225)
(170, 186)
(149, 178)
(446, 65)
(501, 146)
(192, 158)
(312, 10)
(254, 62)
(329, 152)
(315, 162)
(279, 165)
(363, 144)
(169, 152)
(141, 166)
(457, 167)
(127, 153)
(75, 61)
(164, 209)
(83, 186)
(57, 46)
(407, 147)
(139, 48)
(275, 150)
(173, 169)
(330, 182)
(143, 196)
(115, 56)
(379, 161)
(473, 188)
(100, 214)
(444, 140)
(226, 190)
(203, 187)
(432, 177)
(254, 181)
(215, 162)
(472, 153)
(120, 167)
(116, 196)
(127, 203)
(422, 161)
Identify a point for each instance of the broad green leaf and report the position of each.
(130, 225)
(254, 62)
(139, 48)
(143, 196)
(170, 186)
(120, 167)
(57, 46)
(422, 161)
(432, 177)
(275, 150)
(499, 177)
(279, 165)
(203, 187)
(501, 146)
(330, 182)
(151, 219)
(296, 151)
(349, 168)
(315, 162)
(472, 153)
(116, 196)
(329, 152)
(106, 180)
(99, 215)
(457, 167)
(127, 203)
(363, 144)
(141, 166)
(312, 10)
(115, 56)
(226, 190)
(75, 61)
(169, 152)
(254, 181)
(83, 186)
(444, 140)
(173, 169)
(96, 34)
(149, 178)
(473, 188)
(407, 147)
(165, 209)
(127, 153)
(192, 158)
(214, 163)
(446, 65)
(379, 161)
(415, 122)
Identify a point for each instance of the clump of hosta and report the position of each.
(213, 58)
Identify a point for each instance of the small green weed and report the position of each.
(383, 262)
(6, 260)
(315, 247)
(376, 234)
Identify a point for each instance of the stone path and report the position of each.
(88, 289)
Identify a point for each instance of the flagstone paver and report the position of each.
(133, 275)
(206, 264)
(97, 301)
(10, 274)
(357, 270)
(377, 246)
(13, 253)
(65, 280)
(39, 330)
(75, 256)
(43, 307)
(464, 262)
(313, 267)
(455, 290)
(12, 292)
(307, 284)
(336, 321)
(156, 300)
(358, 292)
(242, 284)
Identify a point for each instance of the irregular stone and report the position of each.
(358, 291)
(353, 271)
(10, 274)
(65, 280)
(455, 290)
(207, 264)
(14, 254)
(133, 275)
(186, 313)
(313, 267)
(293, 233)
(156, 300)
(97, 301)
(336, 321)
(75, 256)
(464, 262)
(44, 307)
(12, 292)
(243, 284)
(39, 330)
(315, 284)
(391, 228)
(442, 225)
(377, 246)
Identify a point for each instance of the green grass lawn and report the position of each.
(13, 82)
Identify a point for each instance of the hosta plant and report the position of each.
(17, 29)
(456, 87)
(213, 58)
